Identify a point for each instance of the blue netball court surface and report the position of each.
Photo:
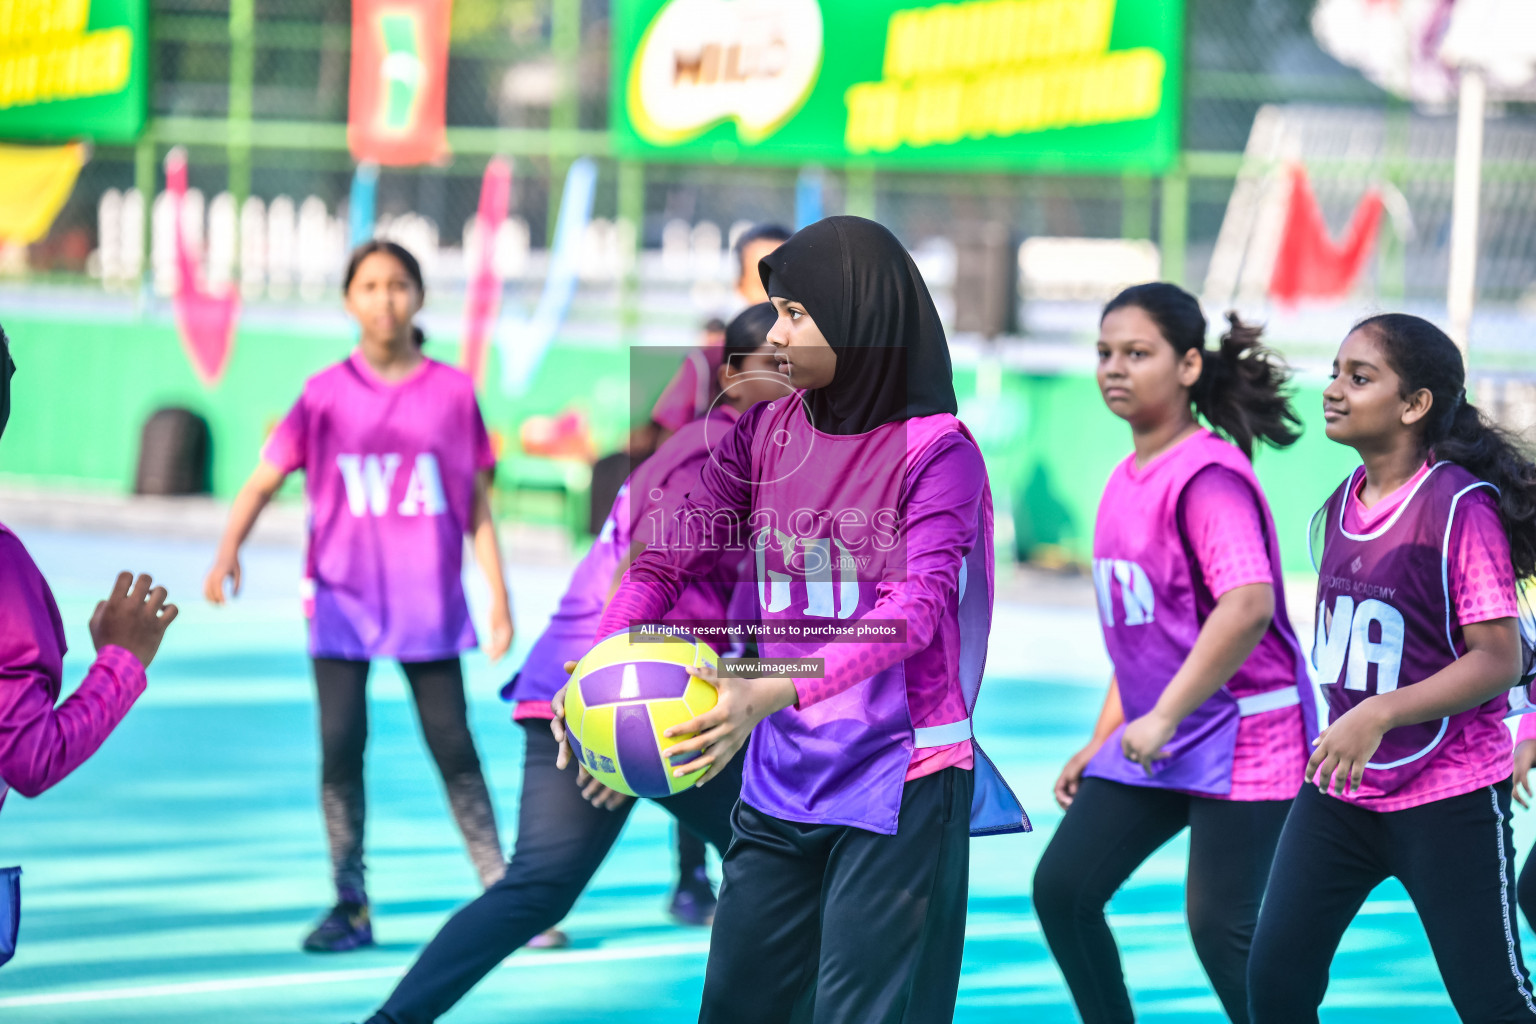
(171, 879)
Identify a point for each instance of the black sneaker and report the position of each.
(346, 927)
(693, 901)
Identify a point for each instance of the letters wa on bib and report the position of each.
(1153, 603)
(389, 480)
(1393, 596)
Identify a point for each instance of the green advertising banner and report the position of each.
(1039, 85)
(73, 68)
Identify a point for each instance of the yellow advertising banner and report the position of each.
(38, 179)
(72, 69)
(1042, 85)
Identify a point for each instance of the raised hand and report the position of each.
(134, 617)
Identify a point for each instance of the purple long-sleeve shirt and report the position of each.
(39, 743)
(940, 495)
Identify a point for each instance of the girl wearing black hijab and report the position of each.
(865, 505)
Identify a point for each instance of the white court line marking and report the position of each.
(996, 929)
(1157, 919)
(187, 988)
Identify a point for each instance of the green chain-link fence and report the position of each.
(257, 92)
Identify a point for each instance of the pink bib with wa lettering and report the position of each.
(1147, 584)
(390, 481)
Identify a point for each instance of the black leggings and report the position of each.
(690, 854)
(1526, 890)
(1109, 830)
(561, 842)
(837, 925)
(1456, 859)
(438, 688)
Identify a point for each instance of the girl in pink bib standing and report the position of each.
(1417, 645)
(397, 467)
(1204, 726)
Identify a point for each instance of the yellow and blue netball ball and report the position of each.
(622, 695)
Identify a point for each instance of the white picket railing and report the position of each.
(282, 249)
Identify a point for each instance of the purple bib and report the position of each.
(1384, 614)
(1146, 582)
(825, 530)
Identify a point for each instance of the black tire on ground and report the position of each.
(175, 454)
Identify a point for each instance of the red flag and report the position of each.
(399, 81)
(484, 283)
(1309, 264)
(205, 321)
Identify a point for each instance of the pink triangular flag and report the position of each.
(205, 321)
(484, 299)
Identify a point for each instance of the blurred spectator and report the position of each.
(691, 389)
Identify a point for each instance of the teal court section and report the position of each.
(171, 879)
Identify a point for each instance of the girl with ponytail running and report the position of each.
(1204, 725)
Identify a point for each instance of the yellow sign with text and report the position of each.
(997, 68)
(71, 67)
(972, 84)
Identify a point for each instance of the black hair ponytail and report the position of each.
(407, 262)
(1425, 358)
(1243, 391)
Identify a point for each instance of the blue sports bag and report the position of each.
(10, 912)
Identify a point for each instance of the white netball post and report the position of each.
(1461, 286)
(1487, 39)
